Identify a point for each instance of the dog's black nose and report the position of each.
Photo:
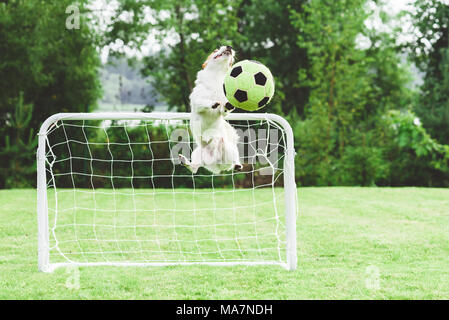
(228, 48)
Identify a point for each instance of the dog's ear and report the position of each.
(205, 62)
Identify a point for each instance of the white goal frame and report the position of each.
(44, 263)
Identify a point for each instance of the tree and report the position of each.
(19, 147)
(335, 93)
(350, 89)
(54, 67)
(431, 54)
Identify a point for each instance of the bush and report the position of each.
(414, 157)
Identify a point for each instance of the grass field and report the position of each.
(345, 237)
(166, 225)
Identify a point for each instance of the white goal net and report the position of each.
(111, 191)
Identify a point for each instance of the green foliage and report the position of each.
(431, 53)
(342, 100)
(54, 67)
(350, 88)
(334, 92)
(362, 164)
(19, 147)
(415, 158)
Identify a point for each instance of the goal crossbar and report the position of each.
(290, 205)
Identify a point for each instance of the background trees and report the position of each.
(346, 88)
(341, 140)
(431, 54)
(46, 68)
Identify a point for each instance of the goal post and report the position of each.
(111, 192)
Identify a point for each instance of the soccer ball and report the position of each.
(249, 85)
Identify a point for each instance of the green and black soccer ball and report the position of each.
(249, 85)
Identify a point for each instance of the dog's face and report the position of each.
(224, 56)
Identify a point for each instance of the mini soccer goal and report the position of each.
(111, 191)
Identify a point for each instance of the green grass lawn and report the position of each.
(343, 235)
(166, 225)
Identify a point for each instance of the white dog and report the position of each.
(215, 139)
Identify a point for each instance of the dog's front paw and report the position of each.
(229, 107)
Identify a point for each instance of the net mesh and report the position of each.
(117, 193)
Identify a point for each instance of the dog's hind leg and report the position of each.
(232, 156)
